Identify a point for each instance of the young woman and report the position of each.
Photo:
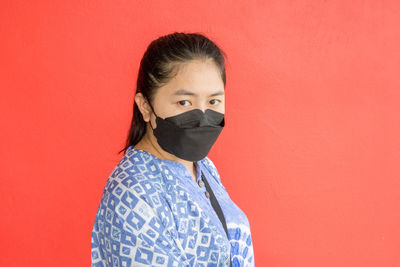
(164, 204)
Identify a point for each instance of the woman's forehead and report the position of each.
(195, 79)
(195, 93)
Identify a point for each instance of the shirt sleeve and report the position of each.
(129, 232)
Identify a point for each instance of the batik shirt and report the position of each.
(153, 213)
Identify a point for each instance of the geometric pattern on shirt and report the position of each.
(136, 227)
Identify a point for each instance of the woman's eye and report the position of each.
(214, 102)
(182, 102)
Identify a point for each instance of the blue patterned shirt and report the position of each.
(153, 213)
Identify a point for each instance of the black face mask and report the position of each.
(189, 135)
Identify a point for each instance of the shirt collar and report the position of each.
(177, 167)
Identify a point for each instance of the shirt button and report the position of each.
(201, 183)
(207, 194)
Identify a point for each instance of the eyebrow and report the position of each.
(186, 92)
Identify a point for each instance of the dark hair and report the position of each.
(161, 62)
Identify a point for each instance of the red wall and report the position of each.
(311, 146)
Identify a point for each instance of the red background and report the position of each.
(310, 151)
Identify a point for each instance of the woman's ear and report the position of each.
(143, 106)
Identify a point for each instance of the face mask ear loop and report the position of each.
(148, 101)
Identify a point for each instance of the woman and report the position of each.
(164, 203)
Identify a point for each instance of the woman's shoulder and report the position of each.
(134, 187)
(135, 172)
